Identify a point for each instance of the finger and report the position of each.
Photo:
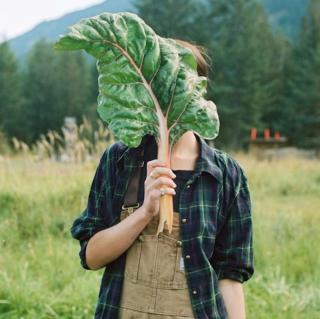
(152, 164)
(157, 183)
(163, 182)
(159, 170)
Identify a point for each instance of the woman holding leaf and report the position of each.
(168, 216)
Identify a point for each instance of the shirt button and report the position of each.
(188, 186)
(184, 220)
(194, 292)
(179, 243)
(188, 256)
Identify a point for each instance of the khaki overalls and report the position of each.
(155, 284)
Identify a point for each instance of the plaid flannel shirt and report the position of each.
(217, 233)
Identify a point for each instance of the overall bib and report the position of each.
(155, 284)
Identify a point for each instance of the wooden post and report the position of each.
(253, 134)
(266, 133)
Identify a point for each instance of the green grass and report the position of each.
(40, 272)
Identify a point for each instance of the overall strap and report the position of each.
(131, 195)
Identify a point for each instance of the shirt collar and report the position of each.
(206, 162)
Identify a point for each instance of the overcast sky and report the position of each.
(17, 17)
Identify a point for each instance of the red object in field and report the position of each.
(266, 133)
(277, 136)
(253, 133)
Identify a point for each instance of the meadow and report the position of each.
(40, 272)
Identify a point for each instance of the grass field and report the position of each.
(40, 272)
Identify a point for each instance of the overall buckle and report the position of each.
(130, 208)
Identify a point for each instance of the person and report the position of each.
(198, 270)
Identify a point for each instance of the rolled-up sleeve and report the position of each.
(98, 213)
(233, 251)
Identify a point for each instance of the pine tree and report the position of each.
(245, 70)
(56, 84)
(74, 84)
(10, 93)
(274, 117)
(303, 87)
(173, 18)
(42, 111)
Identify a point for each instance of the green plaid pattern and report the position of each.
(216, 237)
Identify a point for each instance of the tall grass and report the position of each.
(286, 205)
(88, 141)
(40, 272)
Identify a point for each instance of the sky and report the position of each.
(17, 17)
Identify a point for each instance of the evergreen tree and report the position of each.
(173, 18)
(274, 117)
(74, 84)
(56, 84)
(246, 68)
(303, 86)
(42, 111)
(10, 93)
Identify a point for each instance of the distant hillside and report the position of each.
(284, 14)
(51, 30)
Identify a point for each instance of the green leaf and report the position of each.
(147, 84)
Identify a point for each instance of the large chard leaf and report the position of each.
(144, 80)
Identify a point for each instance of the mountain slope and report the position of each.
(51, 30)
(284, 14)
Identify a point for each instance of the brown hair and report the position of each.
(201, 55)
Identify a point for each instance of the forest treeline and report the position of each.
(258, 78)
